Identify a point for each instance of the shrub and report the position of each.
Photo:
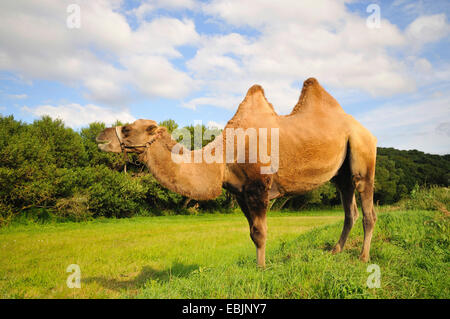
(431, 198)
(6, 214)
(325, 195)
(158, 197)
(74, 208)
(46, 167)
(65, 145)
(116, 194)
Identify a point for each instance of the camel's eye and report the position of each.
(151, 128)
(125, 130)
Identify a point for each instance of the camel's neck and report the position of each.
(201, 181)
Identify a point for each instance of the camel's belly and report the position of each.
(304, 169)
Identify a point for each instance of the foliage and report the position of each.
(74, 208)
(47, 166)
(170, 124)
(158, 197)
(115, 195)
(431, 198)
(325, 195)
(198, 136)
(415, 167)
(387, 177)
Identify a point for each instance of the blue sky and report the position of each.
(194, 60)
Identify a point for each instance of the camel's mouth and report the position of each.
(100, 142)
(106, 141)
(102, 145)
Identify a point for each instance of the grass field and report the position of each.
(212, 256)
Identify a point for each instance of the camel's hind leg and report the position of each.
(344, 184)
(351, 214)
(362, 164)
(369, 215)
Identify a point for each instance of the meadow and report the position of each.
(212, 256)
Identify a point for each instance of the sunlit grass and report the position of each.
(212, 256)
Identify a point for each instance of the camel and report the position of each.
(318, 142)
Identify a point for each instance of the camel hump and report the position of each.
(254, 103)
(256, 88)
(310, 81)
(314, 98)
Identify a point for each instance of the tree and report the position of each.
(170, 124)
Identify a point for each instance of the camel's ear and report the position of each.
(151, 128)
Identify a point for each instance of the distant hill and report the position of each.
(399, 171)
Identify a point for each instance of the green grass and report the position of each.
(212, 256)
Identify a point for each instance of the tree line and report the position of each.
(48, 168)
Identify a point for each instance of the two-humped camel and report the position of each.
(318, 142)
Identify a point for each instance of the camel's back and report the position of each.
(312, 140)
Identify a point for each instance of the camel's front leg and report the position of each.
(258, 233)
(254, 205)
(257, 199)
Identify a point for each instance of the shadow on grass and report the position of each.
(352, 247)
(177, 270)
(328, 246)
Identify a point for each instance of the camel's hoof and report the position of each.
(337, 249)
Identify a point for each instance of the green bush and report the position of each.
(116, 194)
(65, 145)
(158, 197)
(6, 214)
(325, 195)
(101, 192)
(74, 208)
(48, 168)
(431, 198)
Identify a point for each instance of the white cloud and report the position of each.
(156, 77)
(76, 115)
(213, 124)
(177, 4)
(150, 6)
(426, 29)
(141, 11)
(113, 63)
(422, 65)
(225, 101)
(265, 13)
(297, 40)
(422, 125)
(37, 45)
(161, 36)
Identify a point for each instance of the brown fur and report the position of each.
(317, 141)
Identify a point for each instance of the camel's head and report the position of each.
(132, 137)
